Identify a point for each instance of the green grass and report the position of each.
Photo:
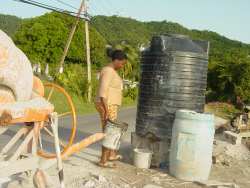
(224, 110)
(83, 107)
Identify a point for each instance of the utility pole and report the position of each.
(88, 52)
(73, 29)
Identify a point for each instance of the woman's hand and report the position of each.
(105, 107)
(106, 117)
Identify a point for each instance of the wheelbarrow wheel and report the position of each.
(67, 121)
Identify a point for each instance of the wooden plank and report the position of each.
(33, 115)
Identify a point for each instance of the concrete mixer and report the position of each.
(29, 105)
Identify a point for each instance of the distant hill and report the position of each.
(9, 24)
(117, 29)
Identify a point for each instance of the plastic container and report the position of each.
(142, 158)
(114, 131)
(192, 146)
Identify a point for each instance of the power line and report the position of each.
(52, 8)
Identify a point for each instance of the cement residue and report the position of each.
(18, 109)
(239, 152)
(225, 151)
(94, 182)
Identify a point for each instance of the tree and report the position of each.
(131, 69)
(230, 76)
(43, 39)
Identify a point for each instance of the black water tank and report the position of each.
(173, 76)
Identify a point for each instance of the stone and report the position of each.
(220, 122)
(102, 179)
(42, 180)
(90, 184)
(232, 137)
(217, 184)
(156, 179)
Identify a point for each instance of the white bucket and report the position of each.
(142, 158)
(113, 133)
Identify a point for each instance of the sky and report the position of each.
(230, 18)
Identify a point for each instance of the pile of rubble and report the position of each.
(94, 181)
(224, 152)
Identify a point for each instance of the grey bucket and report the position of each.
(114, 131)
(142, 158)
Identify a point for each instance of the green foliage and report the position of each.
(131, 93)
(117, 29)
(9, 24)
(229, 76)
(74, 79)
(131, 69)
(43, 39)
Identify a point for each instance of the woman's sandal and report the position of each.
(107, 165)
(117, 158)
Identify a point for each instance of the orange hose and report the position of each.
(83, 144)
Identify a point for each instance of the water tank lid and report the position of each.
(192, 115)
(179, 43)
(178, 36)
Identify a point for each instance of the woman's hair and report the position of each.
(116, 54)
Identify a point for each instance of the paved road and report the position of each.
(90, 124)
(87, 125)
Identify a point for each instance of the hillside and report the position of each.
(9, 24)
(116, 29)
(43, 38)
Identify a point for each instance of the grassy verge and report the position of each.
(224, 110)
(83, 107)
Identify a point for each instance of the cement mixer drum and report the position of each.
(16, 77)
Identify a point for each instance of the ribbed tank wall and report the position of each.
(173, 77)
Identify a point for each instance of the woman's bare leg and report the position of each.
(113, 110)
(105, 156)
(105, 151)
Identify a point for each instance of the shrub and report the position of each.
(74, 80)
(132, 93)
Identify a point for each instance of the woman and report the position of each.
(109, 98)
